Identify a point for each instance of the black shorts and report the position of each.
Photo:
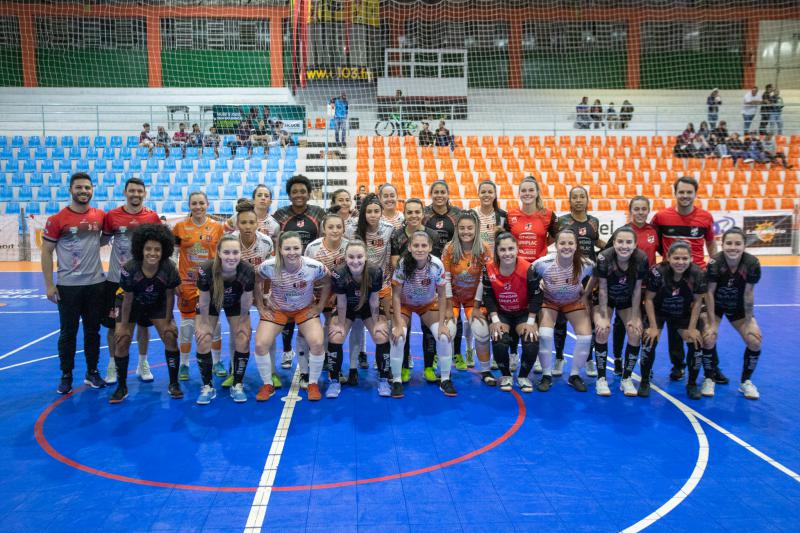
(513, 320)
(109, 311)
(140, 314)
(361, 314)
(732, 316)
(230, 310)
(621, 305)
(676, 322)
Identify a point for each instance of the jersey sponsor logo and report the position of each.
(651, 239)
(425, 282)
(528, 226)
(694, 231)
(302, 284)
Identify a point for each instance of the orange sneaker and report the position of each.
(265, 393)
(313, 392)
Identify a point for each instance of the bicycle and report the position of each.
(394, 125)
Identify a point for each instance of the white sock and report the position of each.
(315, 363)
(216, 337)
(583, 344)
(185, 336)
(263, 362)
(444, 349)
(546, 341)
(484, 366)
(396, 359)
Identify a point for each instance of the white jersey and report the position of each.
(332, 259)
(379, 248)
(557, 282)
(421, 288)
(260, 251)
(397, 221)
(292, 291)
(267, 225)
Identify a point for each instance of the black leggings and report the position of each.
(502, 347)
(79, 303)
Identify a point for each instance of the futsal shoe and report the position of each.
(693, 392)
(577, 383)
(303, 381)
(286, 360)
(446, 386)
(207, 393)
(65, 385)
(237, 393)
(334, 389)
(644, 389)
(545, 383)
(276, 381)
(175, 391)
(558, 367)
(430, 375)
(676, 374)
(183, 372)
(601, 387)
(384, 389)
(111, 373)
(525, 385)
(397, 390)
(143, 371)
(494, 365)
(458, 362)
(627, 388)
(708, 388)
(591, 369)
(488, 379)
(470, 358)
(537, 367)
(94, 380)
(219, 370)
(119, 395)
(405, 375)
(749, 390)
(720, 378)
(362, 361)
(352, 377)
(506, 383)
(313, 392)
(228, 382)
(265, 392)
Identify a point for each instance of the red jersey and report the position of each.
(646, 241)
(120, 225)
(511, 294)
(696, 228)
(77, 239)
(531, 231)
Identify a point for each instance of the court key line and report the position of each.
(43, 337)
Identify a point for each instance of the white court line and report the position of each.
(258, 511)
(26, 312)
(43, 337)
(777, 305)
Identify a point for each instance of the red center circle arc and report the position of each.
(38, 432)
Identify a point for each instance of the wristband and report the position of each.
(531, 321)
(495, 320)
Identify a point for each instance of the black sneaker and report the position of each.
(397, 389)
(676, 374)
(94, 380)
(576, 382)
(720, 378)
(352, 377)
(446, 386)
(618, 367)
(488, 378)
(644, 389)
(362, 361)
(693, 391)
(65, 385)
(175, 391)
(119, 395)
(545, 383)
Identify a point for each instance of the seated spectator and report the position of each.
(426, 137)
(611, 117)
(721, 131)
(280, 136)
(582, 121)
(754, 149)
(703, 130)
(700, 147)
(736, 147)
(196, 137)
(625, 114)
(718, 144)
(242, 136)
(261, 134)
(443, 137)
(146, 137)
(596, 114)
(776, 124)
(162, 139)
(683, 144)
(180, 137)
(212, 139)
(772, 153)
(689, 132)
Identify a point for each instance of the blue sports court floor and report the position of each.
(483, 461)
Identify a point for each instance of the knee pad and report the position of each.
(216, 336)
(546, 334)
(186, 334)
(480, 331)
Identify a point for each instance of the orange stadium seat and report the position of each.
(771, 190)
(621, 205)
(750, 204)
(713, 204)
(769, 203)
(549, 140)
(732, 204)
(534, 140)
(604, 205)
(520, 142)
(787, 203)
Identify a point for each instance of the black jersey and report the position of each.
(243, 281)
(674, 298)
(343, 283)
(587, 231)
(444, 225)
(621, 283)
(399, 239)
(149, 292)
(729, 294)
(307, 223)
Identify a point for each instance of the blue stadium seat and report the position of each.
(159, 152)
(65, 165)
(132, 141)
(289, 166)
(40, 152)
(225, 206)
(253, 178)
(34, 141)
(51, 141)
(118, 165)
(25, 193)
(33, 208)
(151, 205)
(84, 142)
(82, 166)
(18, 179)
(291, 150)
(109, 179)
(258, 151)
(36, 179)
(235, 178)
(92, 153)
(116, 141)
(241, 152)
(152, 165)
(175, 192)
(181, 178)
(227, 139)
(192, 152)
(53, 179)
(125, 153)
(75, 152)
(6, 153)
(119, 190)
(203, 165)
(100, 141)
(29, 166)
(275, 152)
(156, 192)
(23, 154)
(6, 193)
(209, 153)
(169, 207)
(51, 208)
(67, 141)
(17, 141)
(272, 165)
(142, 152)
(238, 165)
(164, 178)
(102, 165)
(3, 141)
(224, 152)
(100, 193)
(57, 153)
(175, 153)
(12, 208)
(61, 194)
(169, 164)
(255, 163)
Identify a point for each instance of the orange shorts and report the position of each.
(407, 310)
(276, 316)
(565, 308)
(188, 296)
(469, 307)
(384, 292)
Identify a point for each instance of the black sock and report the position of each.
(122, 370)
(205, 364)
(530, 350)
(382, 359)
(335, 358)
(715, 359)
(560, 336)
(458, 335)
(618, 337)
(173, 363)
(500, 352)
(750, 362)
(695, 361)
(708, 363)
(648, 357)
(428, 346)
(406, 346)
(239, 366)
(631, 356)
(601, 351)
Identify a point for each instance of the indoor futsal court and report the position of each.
(482, 461)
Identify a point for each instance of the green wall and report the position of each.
(11, 67)
(552, 70)
(690, 70)
(91, 68)
(215, 68)
(487, 69)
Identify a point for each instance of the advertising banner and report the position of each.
(228, 117)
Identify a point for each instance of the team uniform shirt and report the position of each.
(379, 247)
(588, 232)
(515, 294)
(673, 299)
(197, 244)
(267, 225)
(489, 224)
(646, 241)
(531, 231)
(77, 239)
(396, 221)
(696, 228)
(259, 251)
(149, 293)
(619, 284)
(342, 282)
(120, 225)
(332, 259)
(420, 289)
(558, 286)
(729, 294)
(399, 240)
(292, 291)
(307, 223)
(464, 276)
(444, 225)
(243, 281)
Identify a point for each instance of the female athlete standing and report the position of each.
(197, 237)
(620, 272)
(491, 217)
(440, 216)
(531, 224)
(513, 297)
(388, 196)
(732, 276)
(226, 283)
(342, 203)
(266, 224)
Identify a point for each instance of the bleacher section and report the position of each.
(612, 168)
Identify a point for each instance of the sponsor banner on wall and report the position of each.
(228, 117)
(9, 238)
(768, 231)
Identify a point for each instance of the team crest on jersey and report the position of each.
(623, 280)
(149, 288)
(378, 242)
(528, 226)
(651, 239)
(506, 286)
(301, 223)
(425, 282)
(581, 231)
(694, 232)
(676, 291)
(302, 284)
(730, 282)
(439, 224)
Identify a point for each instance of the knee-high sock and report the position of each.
(709, 370)
(530, 350)
(173, 361)
(560, 336)
(750, 363)
(356, 338)
(546, 339)
(315, 363)
(396, 359)
(239, 366)
(216, 343)
(382, 359)
(715, 359)
(458, 335)
(648, 358)
(186, 334)
(335, 359)
(407, 346)
(500, 349)
(631, 356)
(695, 361)
(444, 351)
(264, 365)
(428, 345)
(468, 334)
(583, 347)
(205, 364)
(601, 352)
(302, 354)
(618, 337)
(122, 369)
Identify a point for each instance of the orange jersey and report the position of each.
(197, 245)
(464, 276)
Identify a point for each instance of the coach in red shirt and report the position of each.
(692, 224)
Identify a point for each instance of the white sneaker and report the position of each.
(525, 384)
(627, 387)
(286, 360)
(334, 389)
(514, 362)
(708, 388)
(602, 387)
(558, 368)
(749, 390)
(537, 367)
(506, 383)
(591, 369)
(111, 373)
(143, 371)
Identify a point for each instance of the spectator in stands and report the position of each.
(196, 137)
(713, 102)
(625, 114)
(162, 139)
(362, 192)
(683, 145)
(582, 121)
(703, 130)
(750, 107)
(281, 137)
(180, 138)
(261, 134)
(776, 124)
(772, 153)
(767, 101)
(443, 137)
(736, 147)
(340, 109)
(242, 136)
(212, 139)
(721, 131)
(146, 137)
(596, 114)
(426, 137)
(252, 115)
(754, 150)
(266, 114)
(701, 147)
(611, 117)
(718, 143)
